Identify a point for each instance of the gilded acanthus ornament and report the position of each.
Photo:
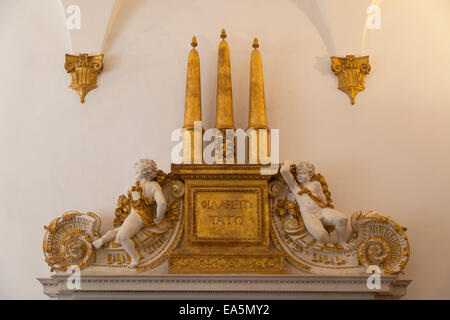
(84, 70)
(351, 71)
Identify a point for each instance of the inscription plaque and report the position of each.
(222, 214)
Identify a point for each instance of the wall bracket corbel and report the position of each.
(351, 71)
(84, 70)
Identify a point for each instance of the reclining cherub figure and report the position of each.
(150, 194)
(315, 212)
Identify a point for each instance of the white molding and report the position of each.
(223, 287)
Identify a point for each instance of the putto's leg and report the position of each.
(129, 228)
(339, 220)
(315, 228)
(107, 237)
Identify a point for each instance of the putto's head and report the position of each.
(145, 169)
(305, 171)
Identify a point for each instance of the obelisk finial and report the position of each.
(224, 102)
(255, 43)
(194, 42)
(223, 34)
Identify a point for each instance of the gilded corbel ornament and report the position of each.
(351, 71)
(84, 70)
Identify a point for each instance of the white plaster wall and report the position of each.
(389, 152)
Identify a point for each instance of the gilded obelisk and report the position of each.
(192, 128)
(257, 123)
(224, 105)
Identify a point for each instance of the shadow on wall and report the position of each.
(316, 13)
(122, 13)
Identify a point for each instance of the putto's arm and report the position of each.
(285, 171)
(319, 192)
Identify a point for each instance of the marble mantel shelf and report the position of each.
(113, 286)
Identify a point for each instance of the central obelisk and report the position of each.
(224, 149)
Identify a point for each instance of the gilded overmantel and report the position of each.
(273, 233)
